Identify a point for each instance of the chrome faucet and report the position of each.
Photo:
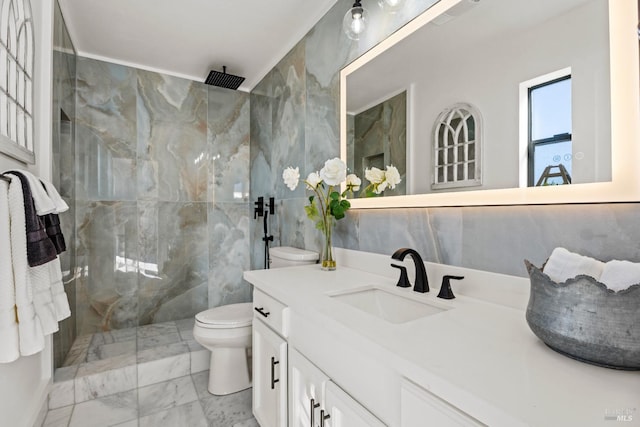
(422, 283)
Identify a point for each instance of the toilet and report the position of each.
(226, 331)
(286, 256)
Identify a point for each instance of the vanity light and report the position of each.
(391, 6)
(355, 20)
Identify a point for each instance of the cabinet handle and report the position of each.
(312, 409)
(261, 311)
(274, 362)
(323, 417)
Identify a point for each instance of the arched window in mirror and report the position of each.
(16, 79)
(457, 148)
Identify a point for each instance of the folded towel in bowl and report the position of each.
(619, 275)
(563, 265)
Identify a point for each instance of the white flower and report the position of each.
(374, 175)
(334, 171)
(353, 182)
(392, 176)
(313, 180)
(379, 188)
(291, 177)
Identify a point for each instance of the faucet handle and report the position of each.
(403, 281)
(445, 288)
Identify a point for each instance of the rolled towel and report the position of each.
(563, 265)
(619, 275)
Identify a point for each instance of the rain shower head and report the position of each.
(222, 79)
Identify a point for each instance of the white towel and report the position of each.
(619, 275)
(29, 327)
(563, 265)
(44, 203)
(43, 297)
(61, 205)
(9, 338)
(60, 300)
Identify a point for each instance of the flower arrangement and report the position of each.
(328, 204)
(381, 180)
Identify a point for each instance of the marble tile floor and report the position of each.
(154, 375)
(106, 345)
(180, 402)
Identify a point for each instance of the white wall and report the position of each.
(24, 383)
(489, 79)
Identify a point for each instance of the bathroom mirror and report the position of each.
(491, 54)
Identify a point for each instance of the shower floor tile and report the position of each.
(131, 341)
(182, 402)
(160, 379)
(105, 351)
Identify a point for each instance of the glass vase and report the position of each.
(328, 262)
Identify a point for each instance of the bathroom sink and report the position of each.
(386, 305)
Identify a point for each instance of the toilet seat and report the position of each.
(226, 316)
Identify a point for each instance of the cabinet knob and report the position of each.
(261, 311)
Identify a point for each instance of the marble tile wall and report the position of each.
(380, 139)
(63, 176)
(496, 239)
(161, 163)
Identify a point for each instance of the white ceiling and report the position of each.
(187, 38)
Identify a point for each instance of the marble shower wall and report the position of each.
(162, 191)
(380, 139)
(302, 92)
(63, 148)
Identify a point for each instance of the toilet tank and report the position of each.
(286, 256)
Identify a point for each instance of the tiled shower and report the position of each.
(156, 171)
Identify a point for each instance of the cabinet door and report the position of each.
(341, 410)
(269, 376)
(306, 394)
(421, 408)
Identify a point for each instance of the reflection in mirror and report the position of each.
(457, 151)
(502, 57)
(378, 138)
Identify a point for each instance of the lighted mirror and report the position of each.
(550, 92)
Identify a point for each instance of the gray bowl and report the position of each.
(583, 319)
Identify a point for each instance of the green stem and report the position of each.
(328, 262)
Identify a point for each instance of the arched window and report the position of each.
(457, 148)
(16, 79)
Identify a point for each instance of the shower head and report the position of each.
(222, 79)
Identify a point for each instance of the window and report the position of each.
(457, 148)
(16, 79)
(550, 146)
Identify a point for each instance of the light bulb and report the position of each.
(355, 21)
(391, 6)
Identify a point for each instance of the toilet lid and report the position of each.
(230, 316)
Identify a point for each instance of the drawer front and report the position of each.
(272, 312)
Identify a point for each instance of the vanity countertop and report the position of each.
(479, 356)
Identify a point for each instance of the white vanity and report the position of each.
(330, 354)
